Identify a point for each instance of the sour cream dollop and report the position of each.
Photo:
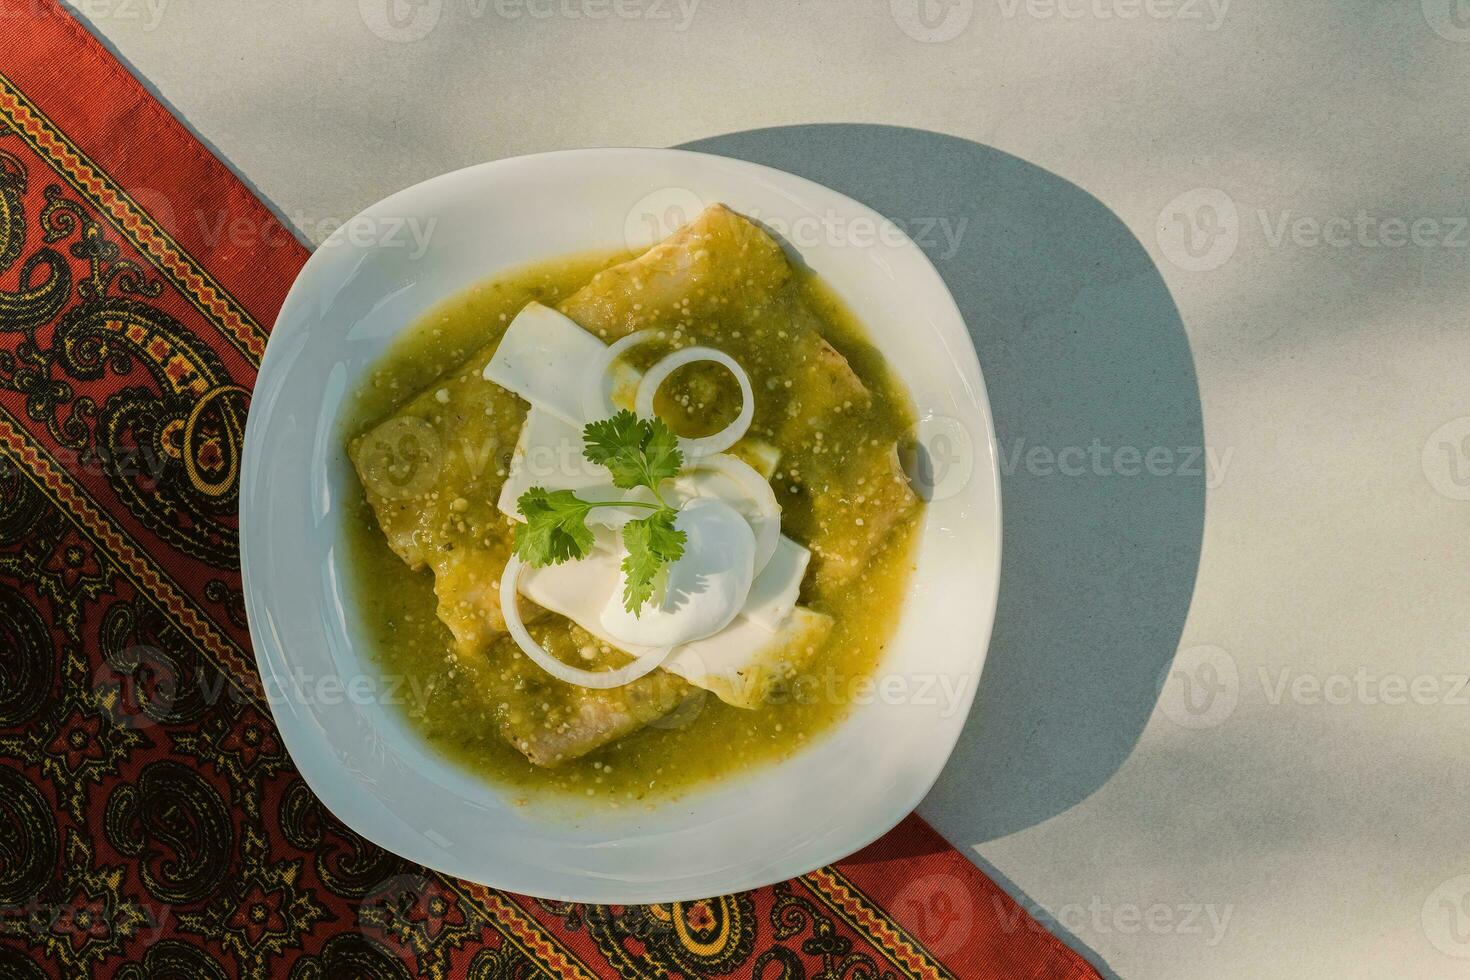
(705, 589)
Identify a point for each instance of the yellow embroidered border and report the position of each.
(141, 570)
(843, 897)
(182, 270)
(543, 947)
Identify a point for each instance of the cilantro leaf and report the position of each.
(652, 543)
(661, 450)
(638, 452)
(555, 529)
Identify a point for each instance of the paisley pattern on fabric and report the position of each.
(710, 937)
(167, 434)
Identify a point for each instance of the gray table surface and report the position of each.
(1226, 231)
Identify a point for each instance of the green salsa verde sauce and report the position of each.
(439, 695)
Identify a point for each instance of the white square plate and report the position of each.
(369, 282)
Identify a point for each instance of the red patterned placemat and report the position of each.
(151, 823)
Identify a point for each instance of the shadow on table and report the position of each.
(1103, 476)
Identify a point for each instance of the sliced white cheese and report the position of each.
(548, 444)
(548, 453)
(761, 455)
(544, 357)
(773, 593)
(703, 591)
(741, 664)
(577, 590)
(728, 478)
(737, 664)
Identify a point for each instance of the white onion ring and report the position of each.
(695, 449)
(600, 680)
(758, 490)
(595, 402)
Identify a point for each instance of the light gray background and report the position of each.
(1311, 819)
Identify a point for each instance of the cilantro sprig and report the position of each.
(638, 453)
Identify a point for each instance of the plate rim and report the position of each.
(817, 854)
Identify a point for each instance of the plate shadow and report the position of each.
(1103, 469)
